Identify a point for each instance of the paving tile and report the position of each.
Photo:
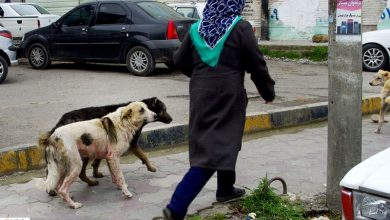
(297, 155)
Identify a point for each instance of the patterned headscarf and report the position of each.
(218, 16)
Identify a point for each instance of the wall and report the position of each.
(288, 19)
(384, 20)
(297, 20)
(252, 12)
(300, 20)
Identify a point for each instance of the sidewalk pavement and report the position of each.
(297, 154)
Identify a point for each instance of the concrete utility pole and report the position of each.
(345, 95)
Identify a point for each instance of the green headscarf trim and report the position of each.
(207, 54)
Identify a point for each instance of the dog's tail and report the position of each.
(54, 157)
(43, 140)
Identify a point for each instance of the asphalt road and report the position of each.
(32, 101)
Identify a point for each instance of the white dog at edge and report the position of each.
(104, 138)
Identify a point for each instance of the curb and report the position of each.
(29, 157)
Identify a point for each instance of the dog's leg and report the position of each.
(141, 155)
(64, 189)
(59, 183)
(385, 109)
(95, 166)
(117, 176)
(83, 175)
(381, 116)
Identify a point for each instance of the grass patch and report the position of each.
(268, 205)
(217, 216)
(316, 53)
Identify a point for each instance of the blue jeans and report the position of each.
(193, 182)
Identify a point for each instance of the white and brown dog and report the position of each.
(382, 78)
(104, 138)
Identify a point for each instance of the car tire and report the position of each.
(3, 69)
(140, 61)
(375, 58)
(38, 57)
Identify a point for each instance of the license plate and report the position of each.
(16, 41)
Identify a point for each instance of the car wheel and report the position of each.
(139, 61)
(3, 69)
(374, 57)
(38, 56)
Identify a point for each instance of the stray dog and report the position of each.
(154, 104)
(104, 138)
(375, 118)
(382, 78)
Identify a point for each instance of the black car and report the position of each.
(138, 33)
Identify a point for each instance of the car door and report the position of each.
(70, 40)
(108, 32)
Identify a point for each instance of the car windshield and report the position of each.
(27, 9)
(159, 10)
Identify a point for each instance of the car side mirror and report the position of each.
(1, 12)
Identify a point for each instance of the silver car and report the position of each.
(376, 50)
(7, 57)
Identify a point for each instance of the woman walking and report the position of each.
(216, 53)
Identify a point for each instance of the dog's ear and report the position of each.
(384, 73)
(126, 113)
(155, 100)
(110, 129)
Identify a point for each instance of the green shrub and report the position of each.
(317, 53)
(268, 205)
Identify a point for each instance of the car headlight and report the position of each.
(367, 206)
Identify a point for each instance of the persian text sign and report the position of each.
(349, 20)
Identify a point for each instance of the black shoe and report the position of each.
(237, 193)
(167, 214)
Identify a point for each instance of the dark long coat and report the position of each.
(218, 98)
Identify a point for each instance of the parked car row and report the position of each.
(7, 57)
(138, 33)
(20, 18)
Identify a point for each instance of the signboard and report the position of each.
(384, 22)
(349, 20)
(252, 11)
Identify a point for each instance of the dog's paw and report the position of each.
(52, 193)
(377, 131)
(128, 194)
(76, 205)
(98, 175)
(93, 183)
(152, 169)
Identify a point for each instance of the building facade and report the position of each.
(300, 20)
(276, 19)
